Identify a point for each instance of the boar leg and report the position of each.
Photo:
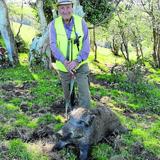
(84, 148)
(60, 144)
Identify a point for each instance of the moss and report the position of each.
(46, 119)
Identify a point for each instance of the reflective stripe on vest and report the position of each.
(62, 40)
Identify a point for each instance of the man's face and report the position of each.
(65, 11)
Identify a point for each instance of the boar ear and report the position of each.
(89, 120)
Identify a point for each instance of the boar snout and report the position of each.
(65, 133)
(64, 140)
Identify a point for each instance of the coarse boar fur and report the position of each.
(86, 127)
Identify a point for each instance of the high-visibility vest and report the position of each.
(67, 45)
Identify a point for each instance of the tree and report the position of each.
(40, 51)
(43, 21)
(119, 29)
(7, 34)
(137, 37)
(124, 30)
(128, 29)
(152, 8)
(98, 13)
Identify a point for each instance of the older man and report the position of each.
(70, 44)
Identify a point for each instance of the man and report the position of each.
(70, 44)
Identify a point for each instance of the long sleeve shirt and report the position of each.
(84, 52)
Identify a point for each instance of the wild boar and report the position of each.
(86, 127)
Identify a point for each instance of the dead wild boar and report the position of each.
(86, 127)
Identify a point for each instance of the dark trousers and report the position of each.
(81, 77)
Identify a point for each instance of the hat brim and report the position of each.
(64, 3)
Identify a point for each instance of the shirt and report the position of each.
(84, 52)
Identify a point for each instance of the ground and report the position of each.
(32, 111)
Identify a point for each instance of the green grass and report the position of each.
(19, 150)
(103, 55)
(27, 33)
(46, 119)
(155, 77)
(143, 105)
(144, 126)
(144, 131)
(22, 120)
(46, 89)
(15, 9)
(58, 126)
(137, 92)
(102, 151)
(8, 109)
(68, 154)
(2, 42)
(121, 96)
(4, 129)
(46, 93)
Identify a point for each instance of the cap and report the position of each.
(63, 2)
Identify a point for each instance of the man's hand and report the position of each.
(66, 64)
(72, 65)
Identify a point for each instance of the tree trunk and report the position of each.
(124, 55)
(126, 49)
(156, 47)
(153, 11)
(7, 34)
(77, 8)
(43, 21)
(158, 51)
(115, 47)
(141, 50)
(94, 42)
(137, 51)
(137, 43)
(20, 22)
(154, 54)
(125, 45)
(40, 52)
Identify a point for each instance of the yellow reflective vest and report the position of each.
(67, 46)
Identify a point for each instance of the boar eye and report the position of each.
(81, 122)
